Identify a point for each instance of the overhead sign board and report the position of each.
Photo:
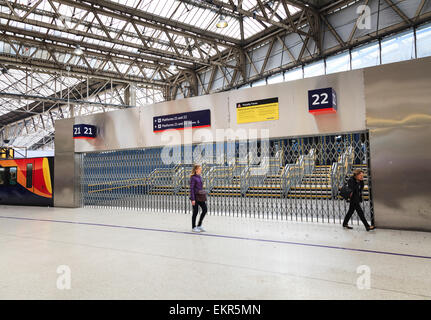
(257, 110)
(322, 101)
(84, 131)
(178, 121)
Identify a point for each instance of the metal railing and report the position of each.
(340, 169)
(217, 173)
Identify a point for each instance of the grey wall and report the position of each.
(66, 177)
(398, 101)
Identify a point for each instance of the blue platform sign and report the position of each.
(178, 121)
(84, 131)
(322, 101)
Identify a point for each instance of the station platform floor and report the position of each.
(57, 253)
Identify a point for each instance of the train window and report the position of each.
(29, 175)
(2, 176)
(12, 175)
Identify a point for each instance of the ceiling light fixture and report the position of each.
(222, 23)
(78, 51)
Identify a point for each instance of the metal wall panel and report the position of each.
(132, 128)
(400, 165)
(66, 188)
(399, 117)
(64, 135)
(64, 177)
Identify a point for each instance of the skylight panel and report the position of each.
(247, 4)
(234, 32)
(162, 8)
(202, 18)
(64, 10)
(209, 20)
(196, 16)
(168, 8)
(293, 9)
(180, 41)
(179, 12)
(45, 6)
(144, 5)
(152, 8)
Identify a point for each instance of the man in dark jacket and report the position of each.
(356, 185)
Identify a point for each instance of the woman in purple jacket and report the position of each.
(195, 186)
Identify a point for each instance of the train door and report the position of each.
(29, 174)
(3, 176)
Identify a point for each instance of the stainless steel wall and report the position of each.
(132, 128)
(398, 102)
(66, 176)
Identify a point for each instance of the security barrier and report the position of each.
(290, 179)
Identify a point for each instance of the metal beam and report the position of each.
(399, 11)
(259, 18)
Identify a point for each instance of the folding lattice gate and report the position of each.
(290, 179)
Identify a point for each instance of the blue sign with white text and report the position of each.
(178, 121)
(322, 101)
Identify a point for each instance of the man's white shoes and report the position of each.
(201, 228)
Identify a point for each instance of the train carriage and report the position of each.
(27, 181)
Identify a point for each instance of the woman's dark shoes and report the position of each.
(347, 227)
(371, 228)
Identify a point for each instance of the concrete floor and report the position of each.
(146, 255)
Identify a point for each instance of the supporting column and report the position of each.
(66, 174)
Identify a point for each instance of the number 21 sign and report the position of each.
(322, 101)
(84, 131)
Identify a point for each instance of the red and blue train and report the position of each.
(27, 181)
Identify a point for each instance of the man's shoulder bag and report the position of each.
(345, 191)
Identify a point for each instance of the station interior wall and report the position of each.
(391, 101)
(132, 128)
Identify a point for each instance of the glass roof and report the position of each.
(204, 16)
(48, 31)
(40, 125)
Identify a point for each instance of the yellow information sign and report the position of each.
(259, 110)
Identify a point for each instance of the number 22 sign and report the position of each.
(322, 101)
